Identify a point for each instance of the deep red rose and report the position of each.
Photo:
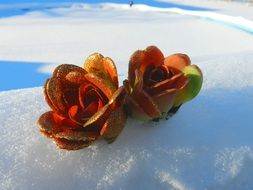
(157, 85)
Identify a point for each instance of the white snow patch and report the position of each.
(206, 145)
(171, 181)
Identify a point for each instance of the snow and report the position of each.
(206, 145)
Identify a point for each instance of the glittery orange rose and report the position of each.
(86, 104)
(157, 85)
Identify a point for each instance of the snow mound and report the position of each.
(206, 145)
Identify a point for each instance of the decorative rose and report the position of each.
(157, 86)
(86, 104)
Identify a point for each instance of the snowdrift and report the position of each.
(206, 145)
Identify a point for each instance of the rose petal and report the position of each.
(72, 144)
(48, 100)
(76, 77)
(54, 92)
(104, 68)
(65, 139)
(143, 98)
(136, 110)
(165, 100)
(89, 93)
(99, 119)
(114, 125)
(46, 124)
(147, 104)
(111, 70)
(136, 60)
(62, 70)
(51, 123)
(153, 56)
(61, 89)
(142, 59)
(164, 85)
(70, 95)
(100, 84)
(177, 61)
(76, 115)
(191, 90)
(76, 135)
(80, 116)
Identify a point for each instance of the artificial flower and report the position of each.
(158, 85)
(86, 104)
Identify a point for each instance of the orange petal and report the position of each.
(54, 92)
(114, 125)
(143, 99)
(177, 61)
(48, 100)
(99, 119)
(61, 91)
(76, 77)
(136, 60)
(72, 144)
(110, 68)
(147, 104)
(77, 115)
(46, 123)
(154, 56)
(62, 70)
(76, 135)
(104, 68)
(89, 93)
(51, 123)
(136, 110)
(100, 84)
(141, 59)
(65, 139)
(165, 85)
(165, 100)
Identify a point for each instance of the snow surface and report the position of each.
(206, 145)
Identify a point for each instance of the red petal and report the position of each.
(62, 89)
(165, 100)
(51, 123)
(140, 60)
(70, 95)
(143, 99)
(54, 93)
(89, 93)
(98, 120)
(99, 84)
(136, 110)
(164, 85)
(147, 104)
